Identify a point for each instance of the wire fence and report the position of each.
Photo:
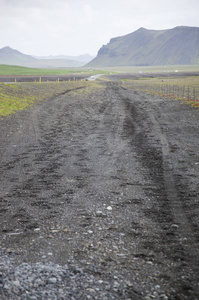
(185, 92)
(181, 92)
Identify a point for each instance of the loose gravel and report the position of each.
(98, 197)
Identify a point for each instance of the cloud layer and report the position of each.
(73, 27)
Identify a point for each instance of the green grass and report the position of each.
(184, 88)
(154, 69)
(19, 96)
(16, 70)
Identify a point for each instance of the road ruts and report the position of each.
(95, 180)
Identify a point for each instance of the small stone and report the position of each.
(14, 233)
(54, 230)
(52, 280)
(100, 281)
(90, 290)
(174, 226)
(99, 212)
(37, 229)
(33, 298)
(163, 297)
(116, 284)
(31, 279)
(6, 287)
(39, 282)
(157, 287)
(122, 234)
(16, 283)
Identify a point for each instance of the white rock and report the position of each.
(37, 229)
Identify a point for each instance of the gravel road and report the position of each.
(99, 197)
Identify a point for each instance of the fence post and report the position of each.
(183, 91)
(194, 94)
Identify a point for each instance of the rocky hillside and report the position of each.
(177, 46)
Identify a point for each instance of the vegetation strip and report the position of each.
(180, 88)
(14, 97)
(16, 70)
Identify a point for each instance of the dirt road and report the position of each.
(105, 182)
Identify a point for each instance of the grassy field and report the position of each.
(15, 70)
(155, 69)
(19, 96)
(184, 88)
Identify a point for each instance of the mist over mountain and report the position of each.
(85, 58)
(177, 46)
(9, 56)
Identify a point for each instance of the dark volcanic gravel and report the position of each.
(99, 197)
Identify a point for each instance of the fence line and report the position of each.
(185, 92)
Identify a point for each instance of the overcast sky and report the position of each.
(74, 27)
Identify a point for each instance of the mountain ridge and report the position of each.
(9, 56)
(148, 47)
(81, 58)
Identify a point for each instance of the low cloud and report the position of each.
(44, 27)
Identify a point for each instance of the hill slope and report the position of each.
(179, 45)
(9, 56)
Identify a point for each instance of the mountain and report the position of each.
(177, 46)
(85, 58)
(9, 56)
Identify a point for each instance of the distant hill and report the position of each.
(85, 58)
(9, 56)
(177, 46)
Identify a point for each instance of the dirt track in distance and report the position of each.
(106, 181)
